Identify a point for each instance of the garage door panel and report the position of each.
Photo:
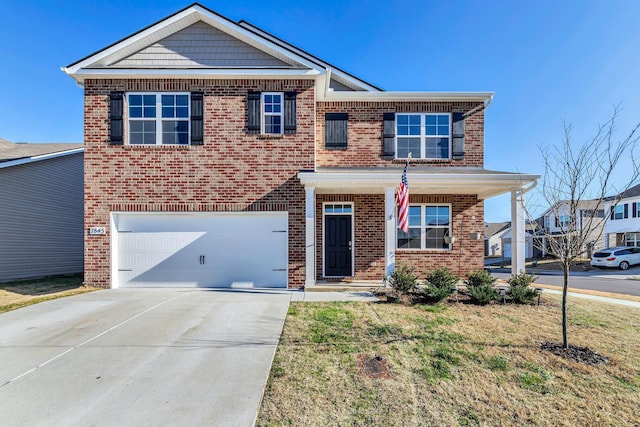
(215, 250)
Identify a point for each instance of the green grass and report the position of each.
(454, 364)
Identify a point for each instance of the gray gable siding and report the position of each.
(41, 218)
(200, 45)
(337, 86)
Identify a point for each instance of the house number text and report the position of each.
(97, 230)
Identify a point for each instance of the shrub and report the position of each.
(403, 279)
(480, 287)
(439, 284)
(519, 288)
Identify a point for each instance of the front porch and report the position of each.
(351, 222)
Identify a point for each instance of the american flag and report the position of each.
(403, 202)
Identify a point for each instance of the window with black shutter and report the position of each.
(389, 135)
(457, 152)
(197, 117)
(116, 125)
(336, 131)
(271, 113)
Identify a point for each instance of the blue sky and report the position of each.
(547, 61)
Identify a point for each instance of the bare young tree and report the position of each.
(578, 181)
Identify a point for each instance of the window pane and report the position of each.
(437, 148)
(443, 130)
(149, 99)
(272, 124)
(443, 215)
(415, 213)
(142, 132)
(182, 100)
(435, 238)
(135, 112)
(175, 132)
(182, 112)
(135, 100)
(431, 119)
(431, 130)
(410, 241)
(443, 119)
(406, 146)
(402, 119)
(149, 111)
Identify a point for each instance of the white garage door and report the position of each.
(200, 250)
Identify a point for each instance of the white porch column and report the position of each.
(310, 236)
(390, 229)
(517, 232)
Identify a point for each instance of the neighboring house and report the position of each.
(219, 155)
(493, 237)
(41, 210)
(530, 249)
(556, 220)
(623, 222)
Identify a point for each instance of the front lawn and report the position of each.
(455, 364)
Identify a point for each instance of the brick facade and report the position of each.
(232, 171)
(466, 255)
(365, 133)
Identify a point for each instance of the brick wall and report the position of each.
(466, 255)
(232, 171)
(365, 133)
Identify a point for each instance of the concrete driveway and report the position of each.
(144, 357)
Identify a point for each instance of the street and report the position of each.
(613, 281)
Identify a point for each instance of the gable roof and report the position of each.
(12, 154)
(630, 192)
(493, 228)
(259, 52)
(268, 56)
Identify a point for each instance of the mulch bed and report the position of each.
(373, 366)
(578, 354)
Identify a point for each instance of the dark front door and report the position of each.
(337, 246)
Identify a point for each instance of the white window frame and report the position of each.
(158, 119)
(618, 210)
(564, 220)
(424, 138)
(264, 114)
(632, 239)
(423, 227)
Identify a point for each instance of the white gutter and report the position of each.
(40, 157)
(483, 97)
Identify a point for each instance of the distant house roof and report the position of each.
(13, 153)
(493, 228)
(631, 192)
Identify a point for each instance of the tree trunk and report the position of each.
(565, 287)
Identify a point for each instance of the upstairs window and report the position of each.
(425, 136)
(272, 113)
(158, 118)
(618, 212)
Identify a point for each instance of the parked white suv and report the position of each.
(621, 257)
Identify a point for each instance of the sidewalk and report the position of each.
(597, 298)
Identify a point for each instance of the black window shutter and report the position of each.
(290, 112)
(458, 136)
(253, 112)
(613, 212)
(557, 222)
(389, 135)
(116, 108)
(634, 209)
(626, 210)
(335, 136)
(197, 117)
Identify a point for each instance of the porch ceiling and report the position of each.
(422, 180)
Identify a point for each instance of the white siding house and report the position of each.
(623, 221)
(41, 210)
